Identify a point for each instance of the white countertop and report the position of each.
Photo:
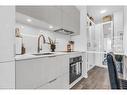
(31, 56)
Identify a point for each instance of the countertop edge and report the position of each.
(30, 56)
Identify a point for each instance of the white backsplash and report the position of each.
(30, 35)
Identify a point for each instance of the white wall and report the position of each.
(30, 35)
(81, 39)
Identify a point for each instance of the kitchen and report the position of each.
(50, 54)
(53, 47)
(52, 62)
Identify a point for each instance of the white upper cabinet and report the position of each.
(7, 21)
(66, 17)
(52, 15)
(118, 31)
(118, 22)
(71, 19)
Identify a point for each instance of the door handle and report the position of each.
(51, 56)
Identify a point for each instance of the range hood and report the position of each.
(64, 31)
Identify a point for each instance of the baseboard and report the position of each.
(103, 66)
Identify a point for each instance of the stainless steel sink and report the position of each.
(38, 54)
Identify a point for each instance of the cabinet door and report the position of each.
(118, 22)
(90, 60)
(52, 15)
(61, 82)
(31, 73)
(71, 19)
(118, 31)
(7, 75)
(48, 14)
(56, 66)
(7, 21)
(84, 65)
(63, 64)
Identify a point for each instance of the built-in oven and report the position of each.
(75, 68)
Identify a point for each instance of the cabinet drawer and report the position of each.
(57, 65)
(31, 73)
(61, 82)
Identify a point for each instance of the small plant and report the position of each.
(52, 44)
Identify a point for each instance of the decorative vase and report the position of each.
(53, 47)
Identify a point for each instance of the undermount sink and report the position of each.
(38, 54)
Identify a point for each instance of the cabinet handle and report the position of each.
(53, 80)
(51, 56)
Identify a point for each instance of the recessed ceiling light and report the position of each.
(22, 26)
(102, 11)
(28, 20)
(50, 26)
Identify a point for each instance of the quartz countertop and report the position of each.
(31, 56)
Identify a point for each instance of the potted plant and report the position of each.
(52, 44)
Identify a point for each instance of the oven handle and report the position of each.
(76, 62)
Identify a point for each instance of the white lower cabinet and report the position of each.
(61, 82)
(90, 61)
(46, 72)
(32, 73)
(7, 75)
(84, 65)
(56, 66)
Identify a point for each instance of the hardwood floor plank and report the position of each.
(98, 78)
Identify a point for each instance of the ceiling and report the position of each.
(94, 11)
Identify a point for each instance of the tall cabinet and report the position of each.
(125, 31)
(118, 31)
(7, 64)
(125, 43)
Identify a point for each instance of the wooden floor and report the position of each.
(97, 79)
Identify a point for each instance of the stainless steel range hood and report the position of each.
(64, 31)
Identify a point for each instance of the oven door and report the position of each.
(75, 70)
